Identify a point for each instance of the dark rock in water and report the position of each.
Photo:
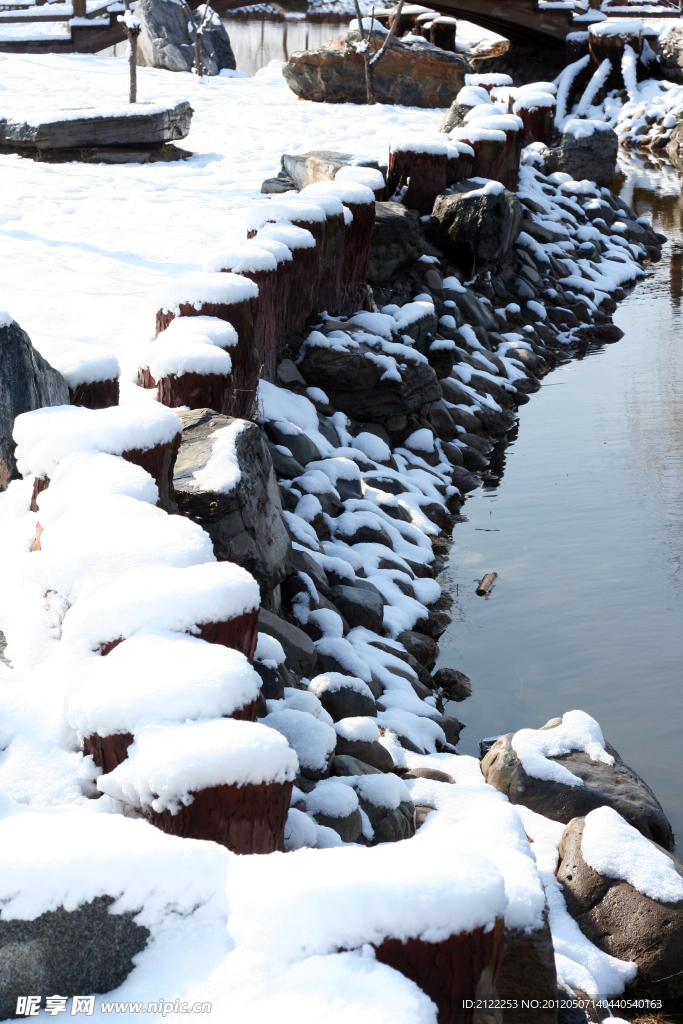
(591, 156)
(165, 40)
(623, 922)
(246, 523)
(353, 384)
(469, 222)
(614, 785)
(414, 76)
(451, 727)
(300, 653)
(423, 648)
(321, 165)
(373, 754)
(67, 951)
(455, 685)
(27, 382)
(360, 607)
(397, 241)
(529, 966)
(464, 480)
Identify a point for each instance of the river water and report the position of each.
(585, 531)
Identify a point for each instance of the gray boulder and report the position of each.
(469, 223)
(348, 828)
(346, 764)
(455, 685)
(615, 785)
(72, 952)
(300, 445)
(423, 648)
(246, 523)
(373, 754)
(671, 54)
(348, 702)
(390, 826)
(623, 922)
(165, 40)
(27, 382)
(353, 384)
(582, 155)
(360, 607)
(397, 241)
(300, 653)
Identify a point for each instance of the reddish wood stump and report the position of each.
(240, 633)
(283, 274)
(459, 968)
(460, 163)
(608, 40)
(424, 173)
(576, 46)
(495, 156)
(330, 295)
(244, 355)
(196, 390)
(354, 272)
(159, 462)
(409, 19)
(246, 819)
(443, 33)
(40, 483)
(538, 114)
(303, 300)
(98, 394)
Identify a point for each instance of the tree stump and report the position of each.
(98, 394)
(303, 268)
(159, 462)
(284, 259)
(460, 162)
(409, 18)
(607, 40)
(196, 390)
(239, 313)
(494, 80)
(443, 33)
(576, 46)
(456, 969)
(247, 819)
(537, 111)
(422, 167)
(240, 633)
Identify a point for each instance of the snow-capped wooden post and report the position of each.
(489, 82)
(187, 373)
(460, 161)
(191, 680)
(225, 781)
(537, 111)
(449, 971)
(159, 460)
(359, 201)
(443, 33)
(298, 273)
(608, 40)
(261, 267)
(496, 155)
(92, 377)
(576, 46)
(417, 171)
(228, 297)
(404, 19)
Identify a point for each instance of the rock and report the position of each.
(347, 702)
(591, 156)
(373, 754)
(411, 76)
(390, 826)
(302, 448)
(616, 786)
(464, 480)
(280, 183)
(287, 375)
(321, 165)
(474, 311)
(428, 773)
(471, 223)
(397, 241)
(300, 653)
(423, 648)
(455, 685)
(451, 727)
(67, 951)
(27, 382)
(353, 385)
(272, 683)
(360, 607)
(285, 466)
(165, 40)
(245, 524)
(454, 116)
(671, 54)
(345, 765)
(348, 828)
(674, 148)
(529, 966)
(301, 561)
(623, 922)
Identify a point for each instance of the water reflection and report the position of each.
(585, 529)
(255, 42)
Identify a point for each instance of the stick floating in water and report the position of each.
(486, 583)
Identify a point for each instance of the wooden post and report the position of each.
(98, 394)
(195, 390)
(608, 39)
(424, 172)
(443, 33)
(159, 462)
(79, 8)
(576, 46)
(537, 111)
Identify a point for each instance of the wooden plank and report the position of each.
(486, 584)
(142, 127)
(517, 20)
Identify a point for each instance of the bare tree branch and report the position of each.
(364, 49)
(392, 31)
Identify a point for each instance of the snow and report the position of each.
(332, 682)
(313, 740)
(415, 144)
(532, 101)
(222, 472)
(81, 476)
(155, 678)
(207, 329)
(64, 858)
(616, 849)
(577, 731)
(85, 365)
(161, 598)
(300, 831)
(386, 791)
(583, 129)
(287, 234)
(165, 766)
(245, 259)
(269, 651)
(291, 210)
(312, 902)
(358, 729)
(201, 289)
(346, 191)
(471, 94)
(493, 79)
(166, 357)
(44, 437)
(367, 176)
(612, 27)
(332, 799)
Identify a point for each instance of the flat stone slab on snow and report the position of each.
(321, 165)
(133, 124)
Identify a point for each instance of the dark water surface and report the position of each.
(585, 531)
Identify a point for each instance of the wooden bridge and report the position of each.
(87, 26)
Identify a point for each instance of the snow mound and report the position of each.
(578, 731)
